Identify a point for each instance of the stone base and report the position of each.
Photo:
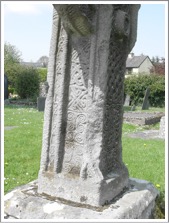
(95, 192)
(136, 202)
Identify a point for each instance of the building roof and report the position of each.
(32, 64)
(135, 61)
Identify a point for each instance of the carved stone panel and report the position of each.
(82, 153)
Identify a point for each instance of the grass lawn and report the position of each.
(145, 159)
(22, 148)
(22, 145)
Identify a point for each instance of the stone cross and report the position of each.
(81, 158)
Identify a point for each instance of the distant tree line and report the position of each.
(23, 80)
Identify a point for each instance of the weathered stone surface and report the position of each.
(136, 202)
(142, 118)
(81, 156)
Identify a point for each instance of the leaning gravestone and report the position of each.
(81, 166)
(146, 104)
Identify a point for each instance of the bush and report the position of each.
(42, 74)
(157, 92)
(11, 90)
(27, 83)
(135, 86)
(12, 71)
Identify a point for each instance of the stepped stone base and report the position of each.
(135, 202)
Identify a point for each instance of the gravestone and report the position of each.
(5, 87)
(41, 103)
(81, 157)
(127, 100)
(145, 105)
(42, 96)
(133, 108)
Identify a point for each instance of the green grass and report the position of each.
(22, 147)
(145, 159)
(127, 128)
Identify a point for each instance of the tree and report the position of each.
(153, 60)
(12, 59)
(42, 73)
(158, 66)
(43, 60)
(163, 60)
(157, 59)
(11, 54)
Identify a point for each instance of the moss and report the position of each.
(157, 214)
(159, 211)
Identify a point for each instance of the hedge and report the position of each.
(42, 74)
(135, 86)
(27, 83)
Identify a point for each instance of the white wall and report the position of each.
(135, 70)
(145, 66)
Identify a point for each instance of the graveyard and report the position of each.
(26, 135)
(145, 158)
(75, 157)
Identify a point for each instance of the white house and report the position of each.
(138, 64)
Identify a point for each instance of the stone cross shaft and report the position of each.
(81, 157)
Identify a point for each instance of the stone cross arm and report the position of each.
(74, 20)
(77, 22)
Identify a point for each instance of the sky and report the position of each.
(28, 26)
